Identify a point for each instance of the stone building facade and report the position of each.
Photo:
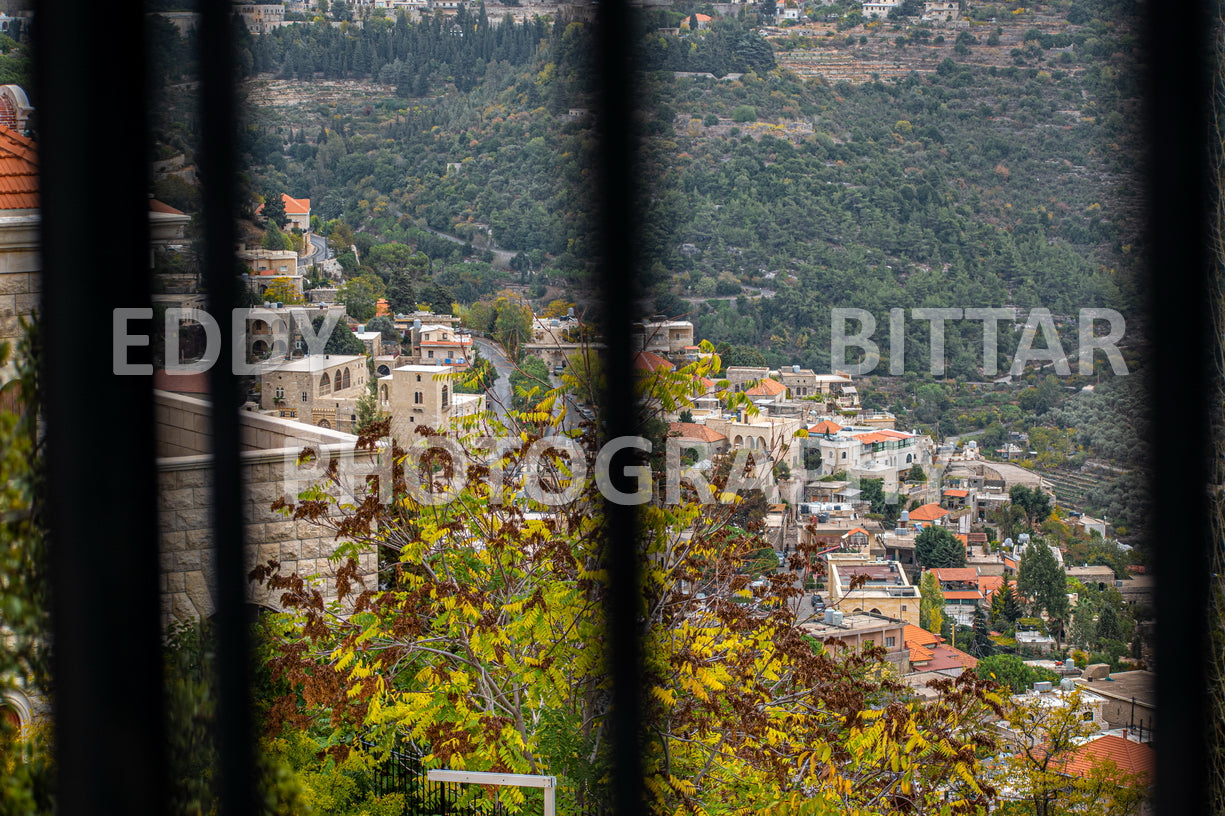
(417, 395)
(321, 389)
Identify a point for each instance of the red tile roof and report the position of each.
(946, 657)
(988, 585)
(695, 430)
(962, 595)
(296, 206)
(766, 388)
(857, 530)
(649, 361)
(18, 171)
(873, 437)
(928, 512)
(1128, 756)
(825, 426)
(919, 636)
(969, 574)
(160, 207)
(957, 493)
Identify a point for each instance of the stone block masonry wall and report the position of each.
(20, 280)
(187, 557)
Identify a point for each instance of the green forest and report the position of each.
(767, 199)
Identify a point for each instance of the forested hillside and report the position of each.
(768, 198)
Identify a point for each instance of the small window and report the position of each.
(304, 396)
(418, 378)
(1088, 716)
(445, 391)
(890, 642)
(417, 398)
(280, 392)
(430, 354)
(904, 607)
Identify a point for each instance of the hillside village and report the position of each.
(938, 559)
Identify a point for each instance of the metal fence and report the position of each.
(401, 771)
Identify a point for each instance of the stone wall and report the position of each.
(20, 281)
(269, 470)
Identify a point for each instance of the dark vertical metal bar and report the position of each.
(219, 166)
(101, 483)
(618, 206)
(1180, 338)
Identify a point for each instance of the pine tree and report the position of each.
(1108, 627)
(401, 296)
(937, 547)
(1042, 579)
(981, 646)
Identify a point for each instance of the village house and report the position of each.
(260, 18)
(20, 281)
(941, 10)
(705, 443)
(841, 632)
(885, 591)
(929, 653)
(671, 338)
(320, 389)
(424, 395)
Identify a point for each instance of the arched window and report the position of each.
(259, 348)
(418, 398)
(345, 379)
(874, 611)
(384, 371)
(325, 384)
(383, 392)
(739, 440)
(909, 458)
(761, 442)
(323, 423)
(259, 327)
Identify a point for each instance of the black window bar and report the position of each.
(101, 480)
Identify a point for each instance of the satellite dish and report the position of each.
(1007, 542)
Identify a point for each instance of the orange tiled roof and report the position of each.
(957, 493)
(969, 574)
(962, 595)
(696, 430)
(382, 307)
(928, 512)
(946, 657)
(825, 426)
(18, 171)
(766, 388)
(1129, 757)
(918, 636)
(918, 654)
(649, 361)
(161, 207)
(881, 436)
(988, 585)
(296, 206)
(857, 530)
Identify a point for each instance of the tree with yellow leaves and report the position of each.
(482, 645)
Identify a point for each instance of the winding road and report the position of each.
(498, 397)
